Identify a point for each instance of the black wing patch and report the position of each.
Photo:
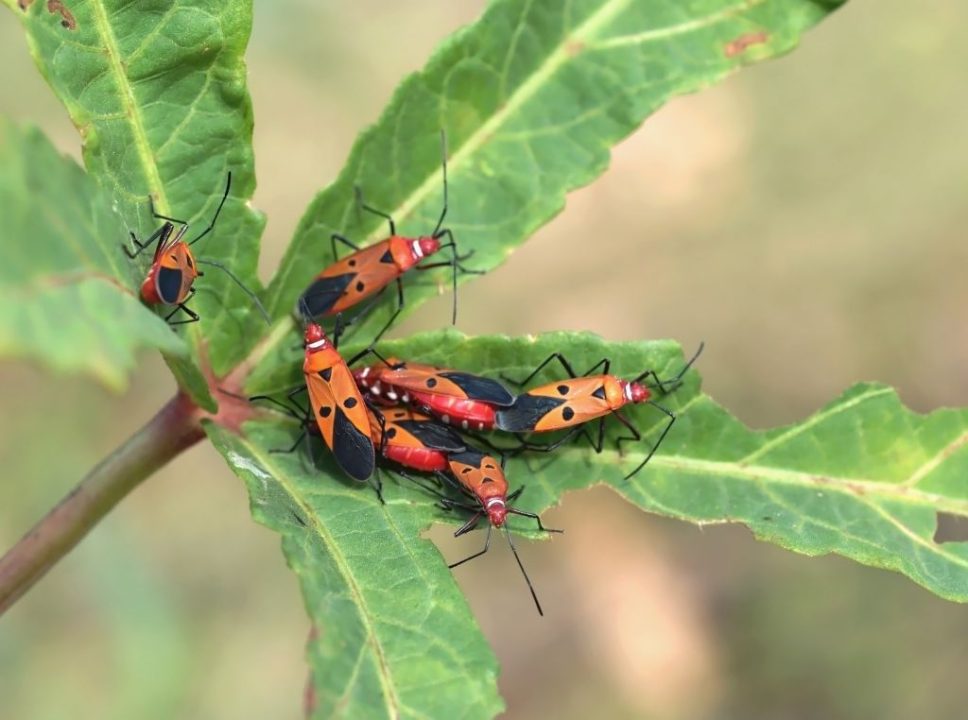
(353, 450)
(434, 435)
(471, 457)
(526, 411)
(480, 388)
(324, 292)
(169, 285)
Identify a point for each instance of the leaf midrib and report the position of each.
(132, 110)
(556, 58)
(851, 486)
(386, 681)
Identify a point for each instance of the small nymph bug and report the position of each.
(481, 478)
(170, 280)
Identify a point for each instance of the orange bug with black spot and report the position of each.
(457, 398)
(568, 404)
(337, 406)
(174, 268)
(368, 271)
(480, 477)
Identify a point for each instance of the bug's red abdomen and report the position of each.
(467, 414)
(418, 458)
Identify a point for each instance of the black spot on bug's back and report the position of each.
(326, 373)
(189, 261)
(387, 257)
(325, 411)
(487, 480)
(567, 414)
(466, 470)
(349, 403)
(168, 284)
(480, 388)
(352, 449)
(431, 382)
(600, 393)
(563, 389)
(525, 413)
(391, 433)
(352, 262)
(323, 293)
(360, 286)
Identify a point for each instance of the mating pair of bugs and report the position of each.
(407, 414)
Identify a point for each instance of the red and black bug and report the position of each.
(174, 268)
(593, 395)
(480, 477)
(456, 398)
(340, 414)
(370, 270)
(413, 440)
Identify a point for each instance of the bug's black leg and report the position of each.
(554, 356)
(218, 210)
(349, 243)
(374, 211)
(193, 316)
(154, 238)
(487, 542)
(533, 516)
(665, 431)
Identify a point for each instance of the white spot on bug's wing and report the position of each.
(463, 424)
(392, 395)
(628, 392)
(480, 426)
(376, 389)
(445, 418)
(406, 397)
(417, 251)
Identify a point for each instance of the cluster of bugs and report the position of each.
(448, 431)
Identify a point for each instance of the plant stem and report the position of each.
(175, 428)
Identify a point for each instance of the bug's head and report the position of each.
(497, 511)
(636, 392)
(314, 338)
(424, 246)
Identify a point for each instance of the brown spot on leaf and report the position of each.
(24, 4)
(574, 47)
(67, 17)
(739, 45)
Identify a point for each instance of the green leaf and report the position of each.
(531, 97)
(864, 477)
(157, 91)
(68, 296)
(393, 634)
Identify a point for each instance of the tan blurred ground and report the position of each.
(806, 218)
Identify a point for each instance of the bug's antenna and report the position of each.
(514, 550)
(206, 231)
(252, 295)
(674, 381)
(443, 154)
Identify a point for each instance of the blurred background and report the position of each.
(806, 218)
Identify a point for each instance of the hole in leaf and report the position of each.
(951, 528)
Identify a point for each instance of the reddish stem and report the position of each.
(175, 428)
